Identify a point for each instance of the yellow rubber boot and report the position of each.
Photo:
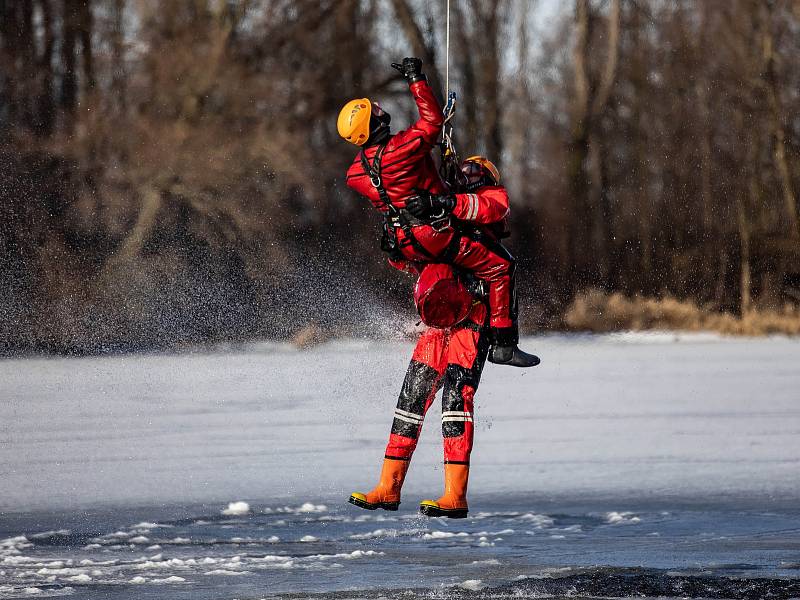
(386, 494)
(453, 504)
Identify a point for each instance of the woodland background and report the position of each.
(170, 172)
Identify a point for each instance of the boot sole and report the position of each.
(450, 513)
(511, 363)
(369, 506)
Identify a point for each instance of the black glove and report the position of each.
(410, 69)
(430, 206)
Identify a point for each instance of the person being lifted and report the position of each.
(449, 355)
(422, 219)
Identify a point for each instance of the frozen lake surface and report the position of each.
(630, 465)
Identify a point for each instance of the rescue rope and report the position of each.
(449, 156)
(447, 53)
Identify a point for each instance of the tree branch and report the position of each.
(419, 47)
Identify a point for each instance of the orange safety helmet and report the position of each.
(353, 122)
(442, 299)
(483, 164)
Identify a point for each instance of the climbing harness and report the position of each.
(394, 217)
(449, 170)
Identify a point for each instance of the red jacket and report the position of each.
(407, 163)
(488, 204)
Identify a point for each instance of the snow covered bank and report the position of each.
(600, 415)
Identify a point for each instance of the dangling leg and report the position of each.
(421, 383)
(490, 261)
(466, 356)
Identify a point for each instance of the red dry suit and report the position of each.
(451, 359)
(403, 165)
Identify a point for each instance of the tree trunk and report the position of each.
(69, 79)
(598, 189)
(467, 111)
(778, 132)
(27, 71)
(118, 77)
(8, 51)
(130, 247)
(86, 27)
(518, 138)
(419, 47)
(600, 213)
(643, 204)
(612, 57)
(45, 104)
(586, 162)
(489, 84)
(719, 293)
(744, 256)
(782, 165)
(705, 155)
(578, 149)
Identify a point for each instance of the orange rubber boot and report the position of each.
(386, 494)
(453, 504)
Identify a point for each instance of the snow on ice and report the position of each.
(237, 508)
(645, 414)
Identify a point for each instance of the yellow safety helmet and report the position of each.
(487, 166)
(353, 122)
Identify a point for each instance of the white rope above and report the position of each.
(447, 53)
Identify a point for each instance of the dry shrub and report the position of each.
(595, 310)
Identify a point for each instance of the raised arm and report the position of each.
(431, 118)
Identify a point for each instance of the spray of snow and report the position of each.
(442, 535)
(171, 579)
(304, 509)
(139, 539)
(237, 508)
(538, 521)
(387, 533)
(622, 518)
(226, 572)
(471, 584)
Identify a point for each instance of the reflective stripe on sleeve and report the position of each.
(472, 212)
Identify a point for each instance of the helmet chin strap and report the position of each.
(379, 134)
(483, 181)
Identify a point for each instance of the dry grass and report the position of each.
(598, 311)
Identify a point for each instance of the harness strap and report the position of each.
(469, 325)
(451, 251)
(373, 171)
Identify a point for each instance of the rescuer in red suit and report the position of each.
(449, 355)
(422, 219)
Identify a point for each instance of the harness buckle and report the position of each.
(441, 224)
(375, 180)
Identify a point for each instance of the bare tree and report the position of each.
(421, 45)
(586, 165)
(776, 117)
